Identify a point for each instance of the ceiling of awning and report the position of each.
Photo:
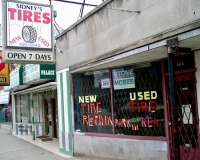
(146, 56)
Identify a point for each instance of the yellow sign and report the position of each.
(4, 73)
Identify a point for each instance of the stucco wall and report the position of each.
(128, 149)
(113, 29)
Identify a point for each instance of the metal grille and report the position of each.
(146, 118)
(187, 115)
(140, 122)
(89, 85)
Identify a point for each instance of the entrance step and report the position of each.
(42, 136)
(46, 139)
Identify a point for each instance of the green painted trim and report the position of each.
(69, 104)
(33, 135)
(32, 104)
(33, 122)
(66, 152)
(62, 103)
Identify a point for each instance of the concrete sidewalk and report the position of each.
(22, 147)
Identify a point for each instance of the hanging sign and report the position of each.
(28, 32)
(4, 97)
(123, 78)
(4, 73)
(38, 72)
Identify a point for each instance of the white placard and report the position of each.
(105, 83)
(187, 115)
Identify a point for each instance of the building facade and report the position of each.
(118, 64)
(34, 95)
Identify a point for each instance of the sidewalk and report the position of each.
(22, 147)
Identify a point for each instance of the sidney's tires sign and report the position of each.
(28, 32)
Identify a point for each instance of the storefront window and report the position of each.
(22, 109)
(137, 101)
(140, 110)
(92, 103)
(38, 109)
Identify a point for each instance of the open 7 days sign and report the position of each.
(28, 32)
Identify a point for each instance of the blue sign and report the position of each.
(123, 78)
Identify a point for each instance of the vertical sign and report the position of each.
(4, 73)
(28, 32)
(123, 78)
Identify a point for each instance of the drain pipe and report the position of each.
(172, 48)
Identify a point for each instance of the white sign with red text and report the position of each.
(28, 25)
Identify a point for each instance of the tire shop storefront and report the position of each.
(35, 100)
(120, 90)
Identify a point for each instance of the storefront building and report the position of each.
(119, 61)
(34, 97)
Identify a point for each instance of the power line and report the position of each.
(87, 4)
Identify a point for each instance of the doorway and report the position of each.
(50, 125)
(187, 109)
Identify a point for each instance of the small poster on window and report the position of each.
(24, 119)
(187, 115)
(123, 78)
(105, 83)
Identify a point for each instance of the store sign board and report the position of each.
(28, 56)
(38, 71)
(47, 71)
(27, 26)
(4, 73)
(123, 78)
(4, 97)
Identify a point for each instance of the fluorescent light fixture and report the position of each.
(142, 65)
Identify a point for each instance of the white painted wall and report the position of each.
(118, 27)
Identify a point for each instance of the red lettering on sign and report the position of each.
(151, 107)
(19, 15)
(30, 16)
(90, 119)
(43, 41)
(46, 20)
(85, 119)
(14, 40)
(27, 16)
(12, 13)
(148, 122)
(83, 105)
(37, 16)
(142, 106)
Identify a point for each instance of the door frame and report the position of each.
(53, 116)
(45, 117)
(167, 109)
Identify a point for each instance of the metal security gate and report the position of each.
(187, 113)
